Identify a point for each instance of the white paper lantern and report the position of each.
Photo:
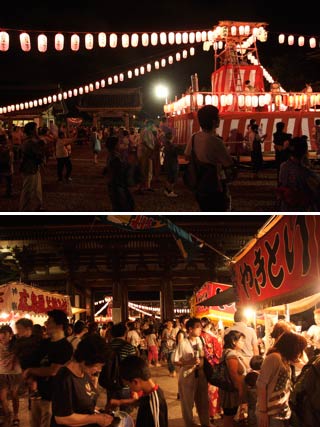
(113, 41)
(178, 38)
(70, 94)
(102, 83)
(75, 42)
(241, 30)
(229, 100)
(281, 38)
(5, 109)
(89, 41)
(39, 101)
(199, 99)
(262, 101)
(241, 100)
(65, 95)
(145, 39)
(149, 68)
(290, 40)
(45, 101)
(136, 72)
(86, 89)
(59, 42)
(163, 63)
(81, 90)
(110, 81)
(255, 101)
(54, 99)
(134, 40)
(50, 99)
(170, 60)
(154, 39)
(4, 41)
(312, 42)
(121, 77)
(130, 74)
(171, 38)
(163, 38)
(25, 42)
(125, 40)
(233, 30)
(215, 100)
(192, 51)
(102, 39)
(60, 96)
(97, 85)
(208, 100)
(247, 30)
(192, 38)
(185, 54)
(157, 65)
(204, 36)
(116, 79)
(301, 41)
(142, 70)
(185, 38)
(178, 57)
(198, 37)
(42, 43)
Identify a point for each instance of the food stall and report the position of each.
(20, 300)
(278, 271)
(203, 303)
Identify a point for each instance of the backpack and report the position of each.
(109, 377)
(218, 375)
(305, 396)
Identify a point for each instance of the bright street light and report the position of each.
(162, 92)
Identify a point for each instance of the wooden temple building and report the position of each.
(84, 258)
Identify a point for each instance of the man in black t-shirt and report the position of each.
(53, 354)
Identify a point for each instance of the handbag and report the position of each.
(190, 176)
(218, 375)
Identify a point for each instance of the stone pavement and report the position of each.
(160, 376)
(87, 192)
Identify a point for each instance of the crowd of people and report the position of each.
(136, 158)
(65, 366)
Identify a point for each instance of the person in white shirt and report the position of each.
(313, 333)
(250, 347)
(192, 383)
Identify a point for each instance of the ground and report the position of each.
(87, 192)
(160, 376)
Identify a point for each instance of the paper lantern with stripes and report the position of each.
(4, 41)
(25, 42)
(75, 42)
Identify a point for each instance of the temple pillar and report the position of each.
(120, 302)
(166, 300)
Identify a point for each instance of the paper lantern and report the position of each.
(247, 30)
(149, 68)
(312, 42)
(145, 39)
(125, 40)
(65, 95)
(116, 79)
(278, 100)
(130, 74)
(170, 60)
(4, 41)
(220, 44)
(198, 37)
(113, 41)
(50, 99)
(185, 38)
(255, 101)
(69, 93)
(313, 100)
(188, 100)
(134, 40)
(75, 42)
(25, 42)
(142, 70)
(171, 38)
(281, 38)
(45, 101)
(157, 65)
(262, 101)
(163, 63)
(241, 100)
(154, 39)
(241, 30)
(54, 99)
(233, 30)
(59, 96)
(192, 38)
(192, 51)
(255, 32)
(178, 38)
(102, 39)
(59, 42)
(1, 110)
(290, 40)
(215, 46)
(102, 83)
(229, 100)
(39, 101)
(301, 41)
(88, 41)
(5, 109)
(163, 38)
(86, 89)
(121, 77)
(200, 99)
(97, 85)
(81, 90)
(42, 43)
(223, 100)
(185, 54)
(10, 109)
(208, 100)
(136, 72)
(178, 57)
(17, 107)
(215, 100)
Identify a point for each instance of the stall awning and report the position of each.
(222, 298)
(281, 264)
(296, 307)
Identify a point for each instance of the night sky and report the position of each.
(25, 76)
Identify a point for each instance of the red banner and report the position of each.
(283, 265)
(208, 290)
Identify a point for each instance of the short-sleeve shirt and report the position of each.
(53, 352)
(276, 377)
(250, 337)
(153, 410)
(314, 333)
(72, 395)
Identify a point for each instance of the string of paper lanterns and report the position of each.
(111, 40)
(300, 40)
(109, 81)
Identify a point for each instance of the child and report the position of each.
(171, 163)
(250, 380)
(153, 410)
(152, 343)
